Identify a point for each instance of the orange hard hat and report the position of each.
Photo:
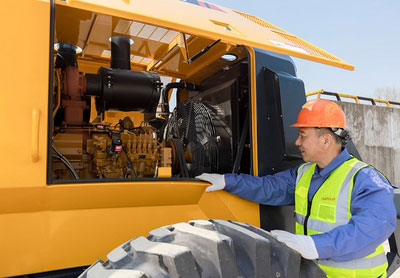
(321, 113)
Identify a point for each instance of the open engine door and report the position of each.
(208, 20)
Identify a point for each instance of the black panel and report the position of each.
(269, 122)
(292, 97)
(277, 218)
(280, 96)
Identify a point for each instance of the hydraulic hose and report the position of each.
(175, 85)
(66, 162)
(180, 156)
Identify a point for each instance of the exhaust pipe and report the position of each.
(120, 53)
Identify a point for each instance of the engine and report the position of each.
(111, 153)
(97, 149)
(128, 154)
(85, 146)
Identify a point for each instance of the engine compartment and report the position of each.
(117, 124)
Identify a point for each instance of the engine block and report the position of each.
(138, 154)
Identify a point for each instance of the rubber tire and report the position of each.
(199, 249)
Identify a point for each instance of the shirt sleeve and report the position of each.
(275, 190)
(373, 220)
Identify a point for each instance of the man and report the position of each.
(343, 207)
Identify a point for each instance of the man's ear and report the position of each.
(326, 140)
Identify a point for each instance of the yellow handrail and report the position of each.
(356, 98)
(318, 93)
(382, 101)
(350, 96)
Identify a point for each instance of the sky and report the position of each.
(364, 33)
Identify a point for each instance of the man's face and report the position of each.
(310, 144)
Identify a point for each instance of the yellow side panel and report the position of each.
(24, 76)
(214, 22)
(63, 226)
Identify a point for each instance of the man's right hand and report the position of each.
(217, 181)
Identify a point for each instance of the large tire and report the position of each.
(199, 249)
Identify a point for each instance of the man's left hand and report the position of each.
(303, 244)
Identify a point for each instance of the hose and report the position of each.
(129, 161)
(64, 160)
(180, 155)
(175, 85)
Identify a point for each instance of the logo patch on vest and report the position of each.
(328, 199)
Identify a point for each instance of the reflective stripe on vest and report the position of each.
(330, 208)
(362, 263)
(316, 225)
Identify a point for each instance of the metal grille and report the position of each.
(192, 124)
(259, 21)
(309, 48)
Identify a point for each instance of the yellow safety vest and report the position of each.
(330, 208)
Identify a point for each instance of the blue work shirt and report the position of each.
(373, 212)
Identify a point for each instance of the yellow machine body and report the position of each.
(46, 227)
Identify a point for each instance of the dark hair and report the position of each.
(321, 131)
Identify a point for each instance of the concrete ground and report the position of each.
(396, 274)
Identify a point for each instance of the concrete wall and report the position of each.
(376, 133)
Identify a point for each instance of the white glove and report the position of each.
(303, 244)
(217, 181)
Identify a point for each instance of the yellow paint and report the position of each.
(164, 172)
(35, 134)
(93, 111)
(53, 227)
(227, 26)
(208, 23)
(179, 43)
(24, 103)
(114, 117)
(318, 93)
(222, 203)
(382, 101)
(253, 86)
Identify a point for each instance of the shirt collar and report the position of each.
(335, 163)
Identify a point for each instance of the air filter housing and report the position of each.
(119, 88)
